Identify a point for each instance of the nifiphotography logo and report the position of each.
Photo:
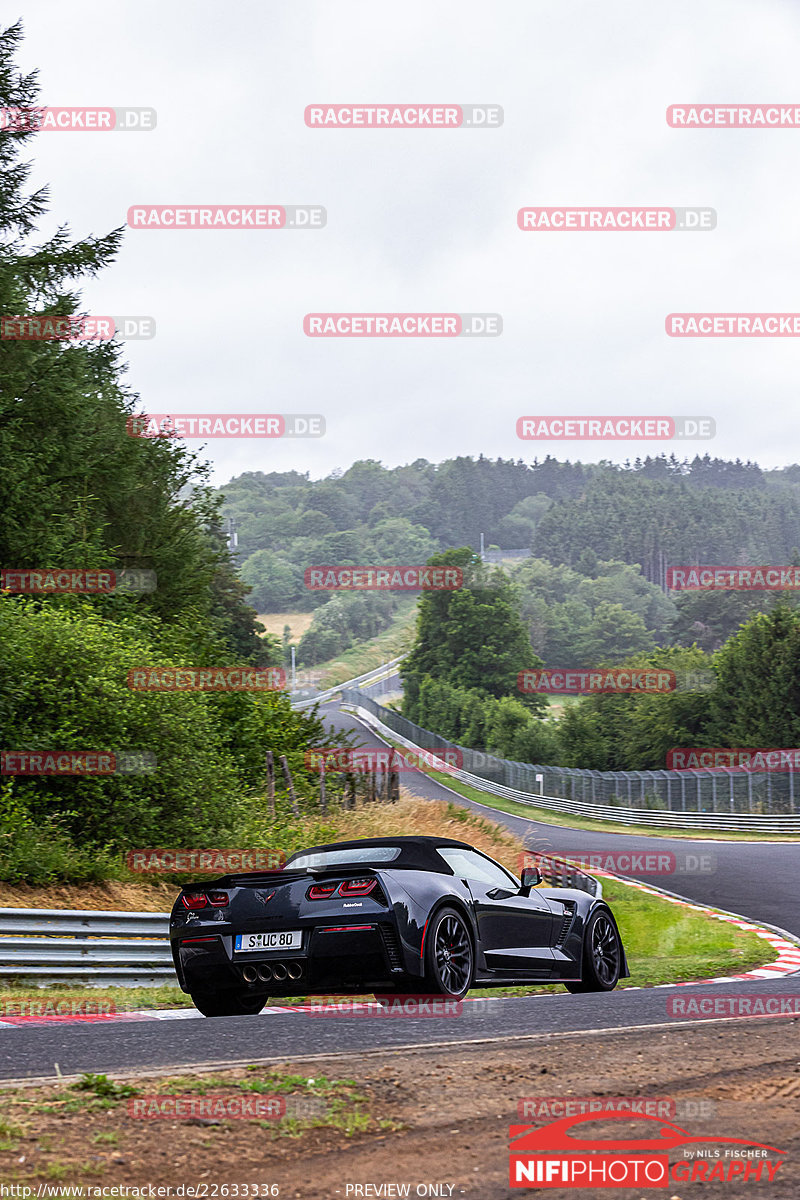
(557, 1155)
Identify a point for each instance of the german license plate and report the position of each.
(288, 940)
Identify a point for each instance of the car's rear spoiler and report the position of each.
(281, 875)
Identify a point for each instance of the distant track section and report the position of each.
(388, 724)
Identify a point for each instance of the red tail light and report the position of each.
(321, 891)
(218, 899)
(194, 900)
(357, 887)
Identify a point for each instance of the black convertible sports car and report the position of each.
(382, 915)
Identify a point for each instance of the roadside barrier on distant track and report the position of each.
(396, 728)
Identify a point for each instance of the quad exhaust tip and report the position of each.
(278, 971)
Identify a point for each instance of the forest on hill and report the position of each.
(600, 538)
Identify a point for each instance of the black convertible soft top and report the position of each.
(416, 853)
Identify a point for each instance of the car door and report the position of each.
(515, 931)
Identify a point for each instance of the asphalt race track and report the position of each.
(138, 1045)
(758, 881)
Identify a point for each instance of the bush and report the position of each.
(63, 687)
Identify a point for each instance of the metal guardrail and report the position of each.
(491, 770)
(85, 946)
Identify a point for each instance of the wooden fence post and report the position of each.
(323, 799)
(271, 782)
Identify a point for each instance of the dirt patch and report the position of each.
(434, 1116)
(298, 623)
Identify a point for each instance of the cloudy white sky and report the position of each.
(426, 220)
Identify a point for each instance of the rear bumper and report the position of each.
(345, 957)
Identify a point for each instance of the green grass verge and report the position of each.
(17, 998)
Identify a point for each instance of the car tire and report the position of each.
(228, 1004)
(602, 956)
(449, 955)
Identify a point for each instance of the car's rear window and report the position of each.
(341, 858)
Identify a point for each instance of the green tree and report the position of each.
(398, 541)
(757, 698)
(76, 490)
(614, 635)
(472, 637)
(274, 581)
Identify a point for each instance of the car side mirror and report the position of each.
(531, 877)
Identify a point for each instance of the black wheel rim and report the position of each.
(605, 950)
(453, 955)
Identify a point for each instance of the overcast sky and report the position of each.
(424, 221)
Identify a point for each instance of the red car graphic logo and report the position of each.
(557, 1136)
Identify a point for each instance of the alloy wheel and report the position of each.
(453, 955)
